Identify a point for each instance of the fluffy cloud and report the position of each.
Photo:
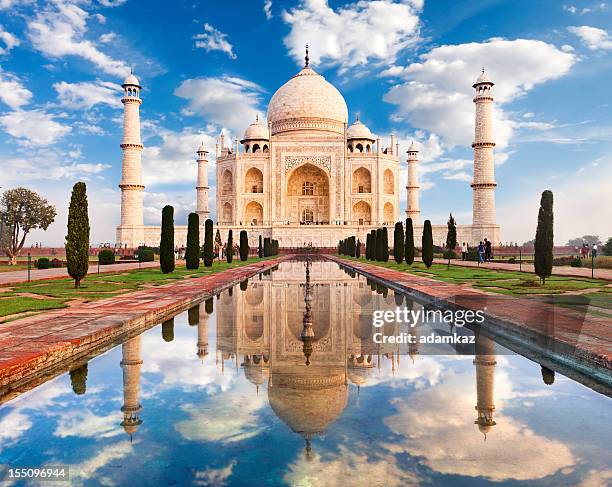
(111, 3)
(214, 40)
(354, 35)
(225, 101)
(33, 127)
(592, 37)
(9, 41)
(12, 91)
(84, 95)
(61, 32)
(438, 95)
(268, 9)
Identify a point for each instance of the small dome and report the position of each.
(307, 101)
(202, 148)
(256, 374)
(256, 131)
(483, 79)
(359, 376)
(131, 80)
(358, 130)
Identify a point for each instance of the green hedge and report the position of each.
(106, 257)
(146, 255)
(43, 263)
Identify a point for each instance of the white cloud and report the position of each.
(592, 37)
(215, 476)
(357, 34)
(225, 101)
(9, 41)
(85, 424)
(438, 95)
(12, 91)
(12, 426)
(61, 32)
(6, 4)
(108, 37)
(214, 40)
(84, 95)
(111, 3)
(268, 9)
(33, 127)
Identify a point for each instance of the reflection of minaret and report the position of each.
(485, 363)
(131, 363)
(307, 335)
(203, 332)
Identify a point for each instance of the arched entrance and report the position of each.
(308, 195)
(227, 213)
(388, 214)
(253, 213)
(253, 181)
(362, 213)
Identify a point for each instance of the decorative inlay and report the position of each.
(292, 161)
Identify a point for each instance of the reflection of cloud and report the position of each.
(447, 411)
(12, 426)
(88, 425)
(348, 468)
(86, 470)
(226, 419)
(597, 478)
(426, 371)
(215, 476)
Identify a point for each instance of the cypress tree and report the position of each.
(368, 245)
(358, 249)
(385, 245)
(339, 247)
(379, 245)
(260, 248)
(409, 242)
(166, 244)
(427, 244)
(209, 254)
(351, 246)
(229, 250)
(77, 240)
(373, 234)
(398, 243)
(192, 257)
(451, 237)
(244, 245)
(267, 249)
(543, 244)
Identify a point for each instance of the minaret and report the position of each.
(483, 184)
(412, 186)
(485, 363)
(202, 185)
(131, 363)
(203, 332)
(131, 230)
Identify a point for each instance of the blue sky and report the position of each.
(406, 66)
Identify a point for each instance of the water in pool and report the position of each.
(278, 381)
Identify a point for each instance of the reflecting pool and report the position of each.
(278, 381)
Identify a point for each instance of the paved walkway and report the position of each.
(584, 340)
(30, 346)
(14, 277)
(563, 270)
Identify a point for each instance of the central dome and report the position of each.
(307, 102)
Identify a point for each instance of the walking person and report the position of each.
(481, 250)
(487, 250)
(464, 251)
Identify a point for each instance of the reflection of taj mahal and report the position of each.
(269, 346)
(307, 175)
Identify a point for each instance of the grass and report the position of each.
(54, 293)
(501, 282)
(9, 268)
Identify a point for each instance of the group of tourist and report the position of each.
(484, 251)
(585, 250)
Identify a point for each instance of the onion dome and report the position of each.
(357, 130)
(256, 131)
(483, 79)
(131, 80)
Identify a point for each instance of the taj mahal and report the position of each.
(307, 176)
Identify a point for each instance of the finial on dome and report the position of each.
(357, 117)
(483, 70)
(257, 117)
(306, 58)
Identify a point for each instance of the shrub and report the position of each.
(472, 254)
(146, 255)
(192, 252)
(208, 243)
(166, 244)
(449, 254)
(43, 263)
(77, 240)
(244, 245)
(398, 243)
(576, 262)
(106, 257)
(544, 237)
(427, 244)
(229, 248)
(607, 248)
(56, 263)
(512, 260)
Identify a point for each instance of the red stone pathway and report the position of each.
(14, 277)
(586, 340)
(40, 342)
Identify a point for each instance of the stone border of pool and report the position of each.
(580, 343)
(34, 349)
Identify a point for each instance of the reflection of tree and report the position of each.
(548, 376)
(168, 330)
(209, 305)
(244, 285)
(78, 380)
(193, 315)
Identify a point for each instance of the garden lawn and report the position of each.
(54, 293)
(502, 282)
